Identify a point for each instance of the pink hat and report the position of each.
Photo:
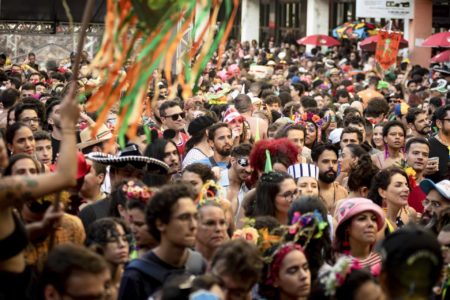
(354, 206)
(231, 114)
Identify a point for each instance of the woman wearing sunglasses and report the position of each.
(240, 129)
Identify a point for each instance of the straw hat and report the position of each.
(103, 134)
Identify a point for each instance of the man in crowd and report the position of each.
(173, 117)
(439, 145)
(325, 157)
(436, 201)
(221, 141)
(44, 151)
(258, 126)
(418, 122)
(350, 135)
(172, 220)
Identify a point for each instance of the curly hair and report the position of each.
(362, 174)
(101, 231)
(118, 197)
(162, 203)
(281, 150)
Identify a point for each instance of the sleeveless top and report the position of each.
(13, 244)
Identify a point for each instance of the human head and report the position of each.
(120, 197)
(240, 162)
(110, 237)
(197, 174)
(20, 139)
(243, 103)
(442, 120)
(212, 225)
(325, 157)
(359, 284)
(417, 150)
(358, 222)
(52, 111)
(238, 265)
(444, 240)
(356, 122)
(350, 156)
(29, 113)
(390, 184)
(350, 135)
(411, 263)
(220, 139)
(44, 150)
(166, 151)
(27, 90)
(361, 172)
(274, 194)
(9, 97)
(377, 108)
(172, 115)
(296, 133)
(172, 215)
(394, 134)
(377, 136)
(436, 200)
(93, 181)
(307, 178)
(21, 164)
(3, 153)
(75, 271)
(418, 122)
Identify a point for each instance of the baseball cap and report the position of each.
(443, 187)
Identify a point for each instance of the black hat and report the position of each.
(199, 124)
(130, 156)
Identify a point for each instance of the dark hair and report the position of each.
(416, 140)
(118, 197)
(283, 132)
(441, 112)
(21, 107)
(319, 251)
(382, 180)
(103, 230)
(376, 107)
(243, 103)
(11, 131)
(28, 86)
(162, 203)
(354, 119)
(157, 148)
(272, 99)
(266, 191)
(166, 105)
(238, 259)
(241, 150)
(320, 148)
(68, 259)
(15, 158)
(213, 128)
(412, 114)
(391, 124)
(41, 135)
(352, 130)
(362, 174)
(352, 283)
(202, 170)
(9, 97)
(308, 102)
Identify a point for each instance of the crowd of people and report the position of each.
(290, 174)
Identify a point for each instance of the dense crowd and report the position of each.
(291, 174)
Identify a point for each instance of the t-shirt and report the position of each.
(55, 148)
(437, 149)
(93, 212)
(415, 198)
(137, 285)
(194, 155)
(220, 164)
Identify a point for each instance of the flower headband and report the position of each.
(309, 226)
(134, 191)
(302, 119)
(278, 258)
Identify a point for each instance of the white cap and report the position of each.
(335, 135)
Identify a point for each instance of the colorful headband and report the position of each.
(335, 278)
(134, 191)
(309, 226)
(304, 118)
(277, 260)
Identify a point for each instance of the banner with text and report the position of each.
(388, 9)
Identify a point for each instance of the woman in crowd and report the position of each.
(22, 164)
(239, 128)
(3, 153)
(197, 174)
(16, 189)
(287, 276)
(306, 176)
(394, 134)
(351, 157)
(377, 137)
(359, 221)
(390, 190)
(361, 175)
(20, 139)
(274, 195)
(110, 238)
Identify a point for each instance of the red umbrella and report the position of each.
(318, 40)
(441, 39)
(370, 44)
(441, 57)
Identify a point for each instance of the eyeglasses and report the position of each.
(176, 116)
(290, 194)
(243, 162)
(30, 120)
(238, 120)
(434, 204)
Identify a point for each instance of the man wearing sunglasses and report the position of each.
(173, 117)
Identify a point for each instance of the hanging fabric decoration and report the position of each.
(387, 48)
(145, 35)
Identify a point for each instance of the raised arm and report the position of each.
(20, 188)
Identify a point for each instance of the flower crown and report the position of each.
(134, 191)
(309, 117)
(210, 194)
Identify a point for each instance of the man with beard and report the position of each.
(418, 122)
(238, 172)
(212, 228)
(436, 201)
(416, 156)
(221, 141)
(440, 145)
(53, 122)
(325, 157)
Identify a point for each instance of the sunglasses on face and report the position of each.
(176, 116)
(243, 162)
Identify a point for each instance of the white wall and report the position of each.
(250, 20)
(317, 17)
